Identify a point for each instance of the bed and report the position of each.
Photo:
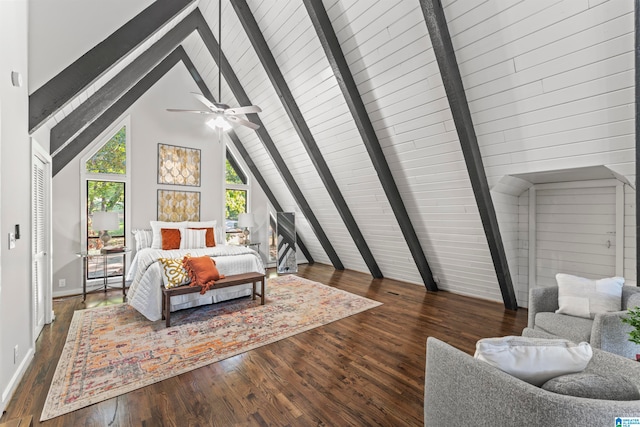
(146, 276)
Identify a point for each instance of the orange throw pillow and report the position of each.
(170, 238)
(210, 239)
(202, 271)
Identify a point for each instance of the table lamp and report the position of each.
(246, 221)
(102, 222)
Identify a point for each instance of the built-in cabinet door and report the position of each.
(575, 233)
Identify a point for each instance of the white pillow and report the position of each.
(193, 239)
(581, 297)
(534, 360)
(157, 234)
(143, 238)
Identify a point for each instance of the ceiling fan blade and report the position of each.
(238, 121)
(244, 110)
(178, 110)
(205, 101)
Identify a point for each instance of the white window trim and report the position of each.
(245, 187)
(85, 176)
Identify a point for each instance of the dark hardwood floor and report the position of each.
(367, 369)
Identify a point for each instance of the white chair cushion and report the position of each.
(534, 360)
(582, 297)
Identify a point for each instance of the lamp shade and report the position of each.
(106, 221)
(245, 220)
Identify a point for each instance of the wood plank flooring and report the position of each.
(367, 369)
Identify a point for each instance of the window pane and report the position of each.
(233, 173)
(112, 157)
(107, 196)
(236, 203)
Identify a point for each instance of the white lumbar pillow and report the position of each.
(582, 297)
(534, 360)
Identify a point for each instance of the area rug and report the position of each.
(113, 350)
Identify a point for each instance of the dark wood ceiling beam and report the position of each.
(299, 123)
(263, 184)
(445, 55)
(102, 123)
(67, 84)
(241, 96)
(333, 50)
(104, 97)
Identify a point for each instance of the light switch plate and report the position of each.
(12, 240)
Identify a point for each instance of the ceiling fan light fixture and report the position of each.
(219, 122)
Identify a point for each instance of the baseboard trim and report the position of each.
(15, 379)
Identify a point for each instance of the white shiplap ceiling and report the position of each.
(549, 85)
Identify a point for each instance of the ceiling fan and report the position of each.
(224, 117)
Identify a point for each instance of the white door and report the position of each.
(39, 243)
(575, 233)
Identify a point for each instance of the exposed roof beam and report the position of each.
(101, 124)
(263, 184)
(90, 133)
(105, 96)
(445, 55)
(299, 123)
(331, 45)
(241, 96)
(58, 91)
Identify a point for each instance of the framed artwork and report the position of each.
(178, 205)
(178, 165)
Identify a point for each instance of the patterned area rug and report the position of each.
(113, 350)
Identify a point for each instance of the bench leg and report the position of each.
(167, 310)
(262, 291)
(253, 294)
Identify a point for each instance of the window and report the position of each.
(236, 199)
(105, 181)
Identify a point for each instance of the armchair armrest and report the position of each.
(630, 297)
(543, 299)
(610, 334)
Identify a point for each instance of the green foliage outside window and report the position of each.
(112, 157)
(236, 204)
(232, 176)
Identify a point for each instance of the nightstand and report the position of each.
(86, 255)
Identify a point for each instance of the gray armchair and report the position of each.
(606, 331)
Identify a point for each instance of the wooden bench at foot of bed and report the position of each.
(233, 280)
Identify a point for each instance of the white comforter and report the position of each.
(145, 274)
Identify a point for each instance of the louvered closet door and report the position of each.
(38, 243)
(575, 233)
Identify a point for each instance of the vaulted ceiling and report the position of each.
(384, 123)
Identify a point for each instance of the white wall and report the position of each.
(550, 86)
(15, 199)
(61, 31)
(150, 125)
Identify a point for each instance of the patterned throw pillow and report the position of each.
(192, 239)
(174, 273)
(143, 238)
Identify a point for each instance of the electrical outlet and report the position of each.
(62, 283)
(12, 240)
(15, 354)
